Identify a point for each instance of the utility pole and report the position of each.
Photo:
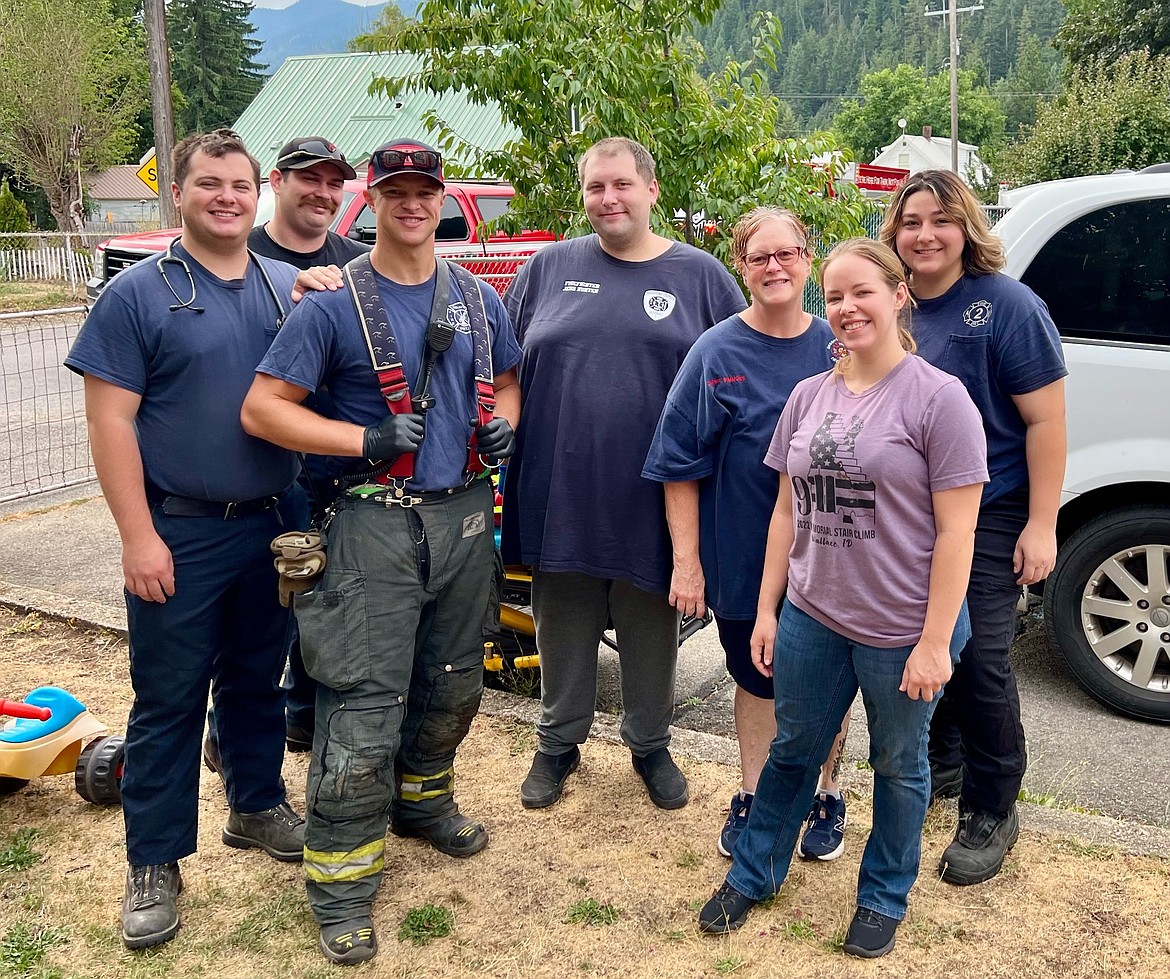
(162, 111)
(954, 11)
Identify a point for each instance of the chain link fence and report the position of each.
(45, 443)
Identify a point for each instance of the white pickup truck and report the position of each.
(1097, 251)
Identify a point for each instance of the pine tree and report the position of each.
(213, 61)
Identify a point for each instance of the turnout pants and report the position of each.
(393, 634)
(977, 723)
(223, 627)
(571, 612)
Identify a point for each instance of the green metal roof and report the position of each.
(326, 95)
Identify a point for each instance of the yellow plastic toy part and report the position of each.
(55, 754)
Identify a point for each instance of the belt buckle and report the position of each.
(229, 512)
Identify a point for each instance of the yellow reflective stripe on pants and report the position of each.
(411, 788)
(337, 865)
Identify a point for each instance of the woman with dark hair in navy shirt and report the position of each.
(996, 336)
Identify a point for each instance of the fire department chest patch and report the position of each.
(658, 305)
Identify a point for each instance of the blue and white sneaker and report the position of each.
(737, 820)
(824, 829)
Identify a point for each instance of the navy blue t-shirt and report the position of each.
(323, 344)
(603, 340)
(719, 419)
(192, 371)
(995, 335)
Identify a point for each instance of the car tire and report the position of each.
(1093, 609)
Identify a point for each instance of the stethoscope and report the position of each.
(179, 303)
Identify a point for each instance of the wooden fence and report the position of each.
(45, 257)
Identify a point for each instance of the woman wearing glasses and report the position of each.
(715, 428)
(995, 335)
(881, 464)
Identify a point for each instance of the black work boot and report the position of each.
(664, 781)
(945, 783)
(349, 942)
(150, 914)
(454, 835)
(278, 831)
(980, 846)
(546, 778)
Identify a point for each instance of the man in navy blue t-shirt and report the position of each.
(168, 353)
(605, 321)
(393, 631)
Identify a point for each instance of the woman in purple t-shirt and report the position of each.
(881, 461)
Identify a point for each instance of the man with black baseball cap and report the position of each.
(419, 357)
(308, 180)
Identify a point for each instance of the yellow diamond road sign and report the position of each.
(148, 173)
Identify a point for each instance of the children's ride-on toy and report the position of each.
(42, 735)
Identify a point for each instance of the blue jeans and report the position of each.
(817, 675)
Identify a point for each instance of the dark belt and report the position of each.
(186, 506)
(408, 498)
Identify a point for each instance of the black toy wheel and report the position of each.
(8, 784)
(98, 776)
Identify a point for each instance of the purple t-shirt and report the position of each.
(863, 468)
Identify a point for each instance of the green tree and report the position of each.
(73, 84)
(1109, 28)
(212, 61)
(1031, 82)
(1111, 115)
(906, 93)
(383, 32)
(13, 218)
(566, 73)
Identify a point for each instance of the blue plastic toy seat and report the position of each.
(65, 708)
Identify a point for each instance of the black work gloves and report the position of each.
(496, 440)
(393, 436)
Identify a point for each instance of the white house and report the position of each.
(929, 152)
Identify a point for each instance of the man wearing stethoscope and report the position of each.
(168, 353)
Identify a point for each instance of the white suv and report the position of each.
(1097, 251)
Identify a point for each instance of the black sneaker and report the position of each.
(870, 934)
(980, 846)
(349, 942)
(665, 783)
(278, 831)
(945, 783)
(726, 911)
(455, 835)
(150, 914)
(546, 778)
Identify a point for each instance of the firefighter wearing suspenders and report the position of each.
(419, 359)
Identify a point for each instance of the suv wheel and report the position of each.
(1107, 606)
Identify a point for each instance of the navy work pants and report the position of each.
(224, 628)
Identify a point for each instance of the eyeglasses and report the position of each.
(785, 256)
(420, 159)
(312, 148)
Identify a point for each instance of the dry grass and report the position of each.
(1059, 909)
(21, 297)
